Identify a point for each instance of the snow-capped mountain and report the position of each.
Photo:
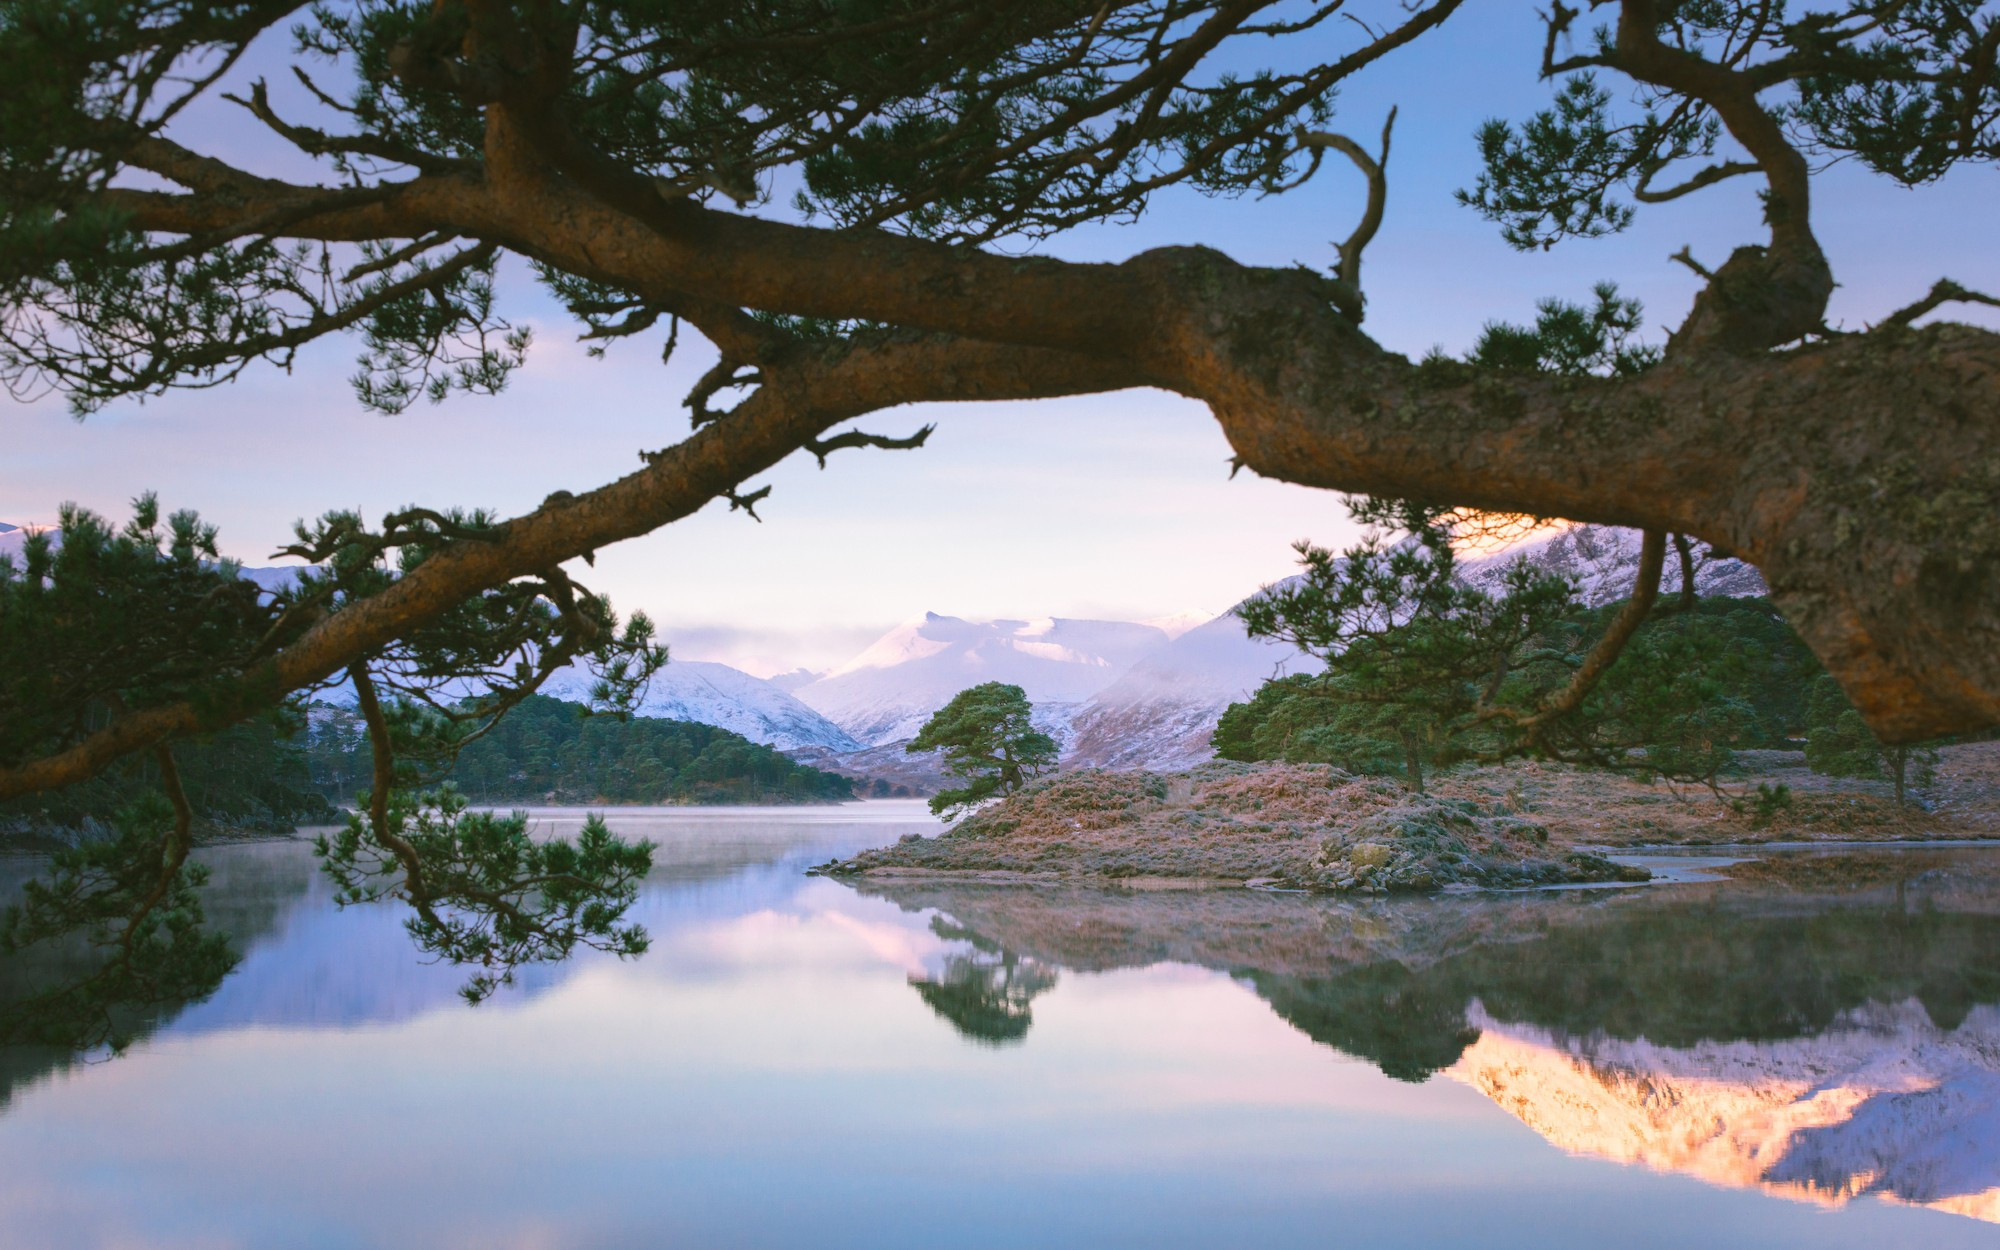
(728, 698)
(1161, 712)
(1604, 560)
(793, 680)
(1885, 1104)
(14, 537)
(887, 692)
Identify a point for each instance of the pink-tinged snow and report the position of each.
(716, 694)
(887, 692)
(1884, 1104)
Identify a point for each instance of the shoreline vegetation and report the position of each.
(264, 780)
(1314, 827)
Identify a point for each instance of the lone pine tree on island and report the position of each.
(628, 153)
(989, 741)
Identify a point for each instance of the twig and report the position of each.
(747, 502)
(1945, 291)
(822, 448)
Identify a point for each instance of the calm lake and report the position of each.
(801, 1062)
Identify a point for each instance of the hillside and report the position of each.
(547, 751)
(728, 698)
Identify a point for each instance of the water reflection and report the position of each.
(985, 992)
(798, 1062)
(1882, 1102)
(250, 888)
(302, 961)
(1814, 1048)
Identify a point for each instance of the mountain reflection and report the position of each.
(1816, 1048)
(1881, 1102)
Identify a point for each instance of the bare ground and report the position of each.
(1590, 807)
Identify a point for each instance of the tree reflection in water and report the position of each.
(1818, 1046)
(985, 993)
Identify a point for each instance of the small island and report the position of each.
(1315, 827)
(1297, 826)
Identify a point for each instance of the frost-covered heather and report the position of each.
(1306, 825)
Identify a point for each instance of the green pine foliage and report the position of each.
(1416, 660)
(129, 616)
(1905, 89)
(550, 750)
(989, 741)
(1692, 688)
(1675, 699)
(1572, 339)
(491, 897)
(1840, 744)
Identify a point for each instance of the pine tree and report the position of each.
(1840, 744)
(989, 741)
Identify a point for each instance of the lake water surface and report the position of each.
(801, 1062)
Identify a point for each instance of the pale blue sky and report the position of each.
(1115, 506)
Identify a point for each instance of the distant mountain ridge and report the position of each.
(1605, 562)
(886, 693)
(1161, 713)
(1114, 694)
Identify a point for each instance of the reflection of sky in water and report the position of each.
(766, 1076)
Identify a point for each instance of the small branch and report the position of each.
(747, 502)
(1686, 553)
(1558, 20)
(1686, 257)
(1945, 291)
(726, 375)
(1348, 268)
(382, 758)
(1708, 177)
(414, 248)
(383, 773)
(822, 448)
(442, 525)
(736, 187)
(1645, 589)
(319, 143)
(174, 854)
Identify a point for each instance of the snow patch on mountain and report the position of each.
(1604, 560)
(728, 698)
(1174, 624)
(1161, 713)
(886, 693)
(795, 679)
